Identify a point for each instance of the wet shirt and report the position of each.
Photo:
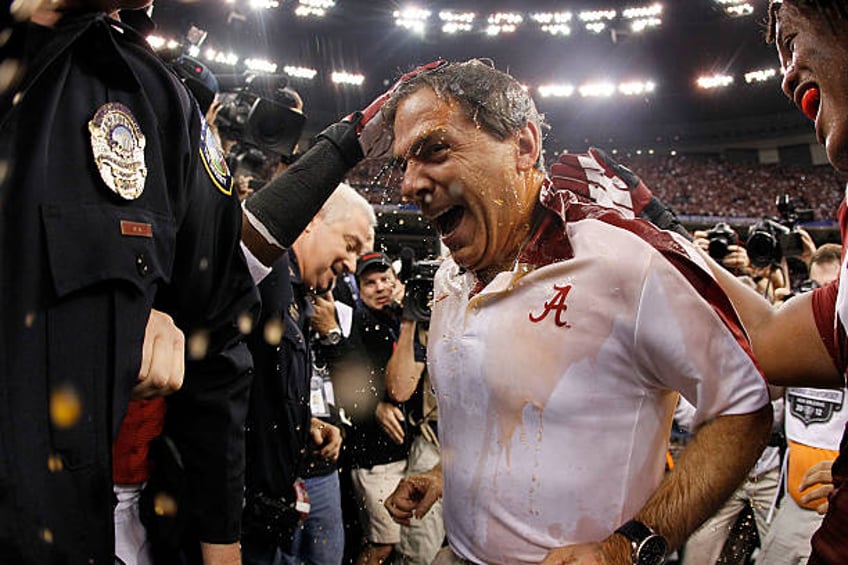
(113, 205)
(564, 370)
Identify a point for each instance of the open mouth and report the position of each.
(448, 220)
(810, 101)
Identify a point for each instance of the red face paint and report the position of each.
(810, 103)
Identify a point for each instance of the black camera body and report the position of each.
(260, 115)
(720, 238)
(772, 239)
(418, 277)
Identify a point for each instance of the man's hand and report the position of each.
(162, 358)
(324, 318)
(611, 551)
(390, 418)
(327, 437)
(819, 474)
(414, 496)
(597, 177)
(375, 139)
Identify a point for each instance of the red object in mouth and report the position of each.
(810, 103)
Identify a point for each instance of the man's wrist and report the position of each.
(332, 337)
(616, 549)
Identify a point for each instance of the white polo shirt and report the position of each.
(556, 390)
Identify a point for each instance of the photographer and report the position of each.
(381, 435)
(722, 244)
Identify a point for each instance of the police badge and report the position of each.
(118, 147)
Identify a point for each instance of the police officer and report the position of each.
(116, 200)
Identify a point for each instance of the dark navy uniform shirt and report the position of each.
(81, 268)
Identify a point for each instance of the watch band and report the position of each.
(647, 546)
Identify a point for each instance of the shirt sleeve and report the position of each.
(213, 300)
(692, 344)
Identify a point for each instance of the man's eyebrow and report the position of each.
(419, 143)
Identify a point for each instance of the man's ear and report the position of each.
(529, 146)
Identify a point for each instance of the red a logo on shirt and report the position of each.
(555, 304)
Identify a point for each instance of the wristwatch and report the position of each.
(333, 337)
(647, 547)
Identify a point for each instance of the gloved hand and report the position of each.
(375, 139)
(597, 177)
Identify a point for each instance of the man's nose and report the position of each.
(416, 184)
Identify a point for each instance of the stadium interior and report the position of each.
(686, 93)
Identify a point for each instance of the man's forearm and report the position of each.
(221, 554)
(402, 370)
(711, 467)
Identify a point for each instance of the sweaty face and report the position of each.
(326, 250)
(813, 53)
(478, 191)
(376, 288)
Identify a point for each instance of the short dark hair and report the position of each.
(828, 8)
(493, 99)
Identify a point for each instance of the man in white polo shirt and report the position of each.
(561, 333)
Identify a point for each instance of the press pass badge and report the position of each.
(117, 144)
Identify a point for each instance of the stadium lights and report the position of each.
(760, 75)
(736, 8)
(316, 8)
(230, 59)
(413, 19)
(555, 23)
(342, 77)
(300, 72)
(457, 22)
(264, 4)
(708, 82)
(158, 42)
(556, 90)
(596, 90)
(503, 22)
(635, 13)
(260, 65)
(635, 88)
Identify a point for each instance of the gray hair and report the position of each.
(342, 202)
(490, 98)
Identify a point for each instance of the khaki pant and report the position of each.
(420, 542)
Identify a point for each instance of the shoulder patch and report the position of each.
(214, 160)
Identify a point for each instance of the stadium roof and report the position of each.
(695, 38)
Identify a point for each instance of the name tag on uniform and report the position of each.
(136, 229)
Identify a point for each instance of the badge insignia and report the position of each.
(118, 147)
(814, 405)
(214, 161)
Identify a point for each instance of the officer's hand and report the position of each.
(414, 496)
(327, 437)
(162, 358)
(324, 318)
(820, 474)
(375, 139)
(390, 418)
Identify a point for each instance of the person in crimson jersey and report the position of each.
(811, 37)
(561, 333)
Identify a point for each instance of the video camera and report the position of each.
(259, 113)
(771, 239)
(721, 237)
(418, 278)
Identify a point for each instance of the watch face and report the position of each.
(652, 551)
